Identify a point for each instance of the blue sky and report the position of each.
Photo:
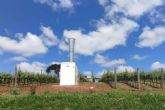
(109, 33)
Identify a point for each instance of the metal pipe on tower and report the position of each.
(71, 49)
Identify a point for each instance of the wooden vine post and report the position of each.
(162, 78)
(16, 84)
(138, 78)
(115, 73)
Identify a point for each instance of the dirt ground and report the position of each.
(83, 87)
(55, 88)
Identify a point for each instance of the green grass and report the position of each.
(86, 101)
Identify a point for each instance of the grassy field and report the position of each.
(84, 101)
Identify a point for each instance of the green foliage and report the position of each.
(130, 76)
(83, 78)
(55, 68)
(125, 76)
(47, 93)
(77, 101)
(5, 76)
(27, 78)
(107, 76)
(38, 77)
(14, 91)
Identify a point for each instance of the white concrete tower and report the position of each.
(68, 71)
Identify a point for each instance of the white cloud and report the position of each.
(66, 3)
(34, 67)
(105, 37)
(88, 74)
(157, 16)
(58, 4)
(19, 35)
(157, 66)
(134, 8)
(29, 44)
(121, 69)
(97, 74)
(100, 73)
(152, 37)
(18, 58)
(103, 2)
(138, 57)
(103, 61)
(48, 36)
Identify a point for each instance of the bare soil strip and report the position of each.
(83, 87)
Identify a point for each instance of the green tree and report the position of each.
(55, 68)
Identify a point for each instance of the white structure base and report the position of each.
(69, 74)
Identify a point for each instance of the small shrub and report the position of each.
(32, 89)
(14, 91)
(47, 93)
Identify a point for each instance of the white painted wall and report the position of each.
(69, 74)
